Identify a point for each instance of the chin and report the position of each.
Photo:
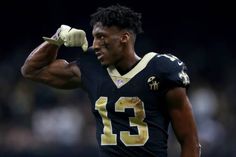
(104, 64)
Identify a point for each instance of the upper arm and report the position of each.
(59, 74)
(182, 118)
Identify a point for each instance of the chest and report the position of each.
(141, 91)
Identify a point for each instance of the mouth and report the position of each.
(99, 55)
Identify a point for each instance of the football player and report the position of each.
(134, 99)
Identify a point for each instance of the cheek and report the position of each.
(111, 56)
(113, 44)
(113, 50)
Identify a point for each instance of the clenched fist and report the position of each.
(70, 37)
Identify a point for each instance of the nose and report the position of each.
(96, 45)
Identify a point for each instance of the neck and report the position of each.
(127, 62)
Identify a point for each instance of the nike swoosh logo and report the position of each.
(180, 63)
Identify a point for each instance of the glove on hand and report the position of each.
(70, 37)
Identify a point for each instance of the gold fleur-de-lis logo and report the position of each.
(184, 77)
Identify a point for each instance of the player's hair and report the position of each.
(119, 16)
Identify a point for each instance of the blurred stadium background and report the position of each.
(39, 121)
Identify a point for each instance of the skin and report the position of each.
(113, 46)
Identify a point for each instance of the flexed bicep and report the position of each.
(60, 74)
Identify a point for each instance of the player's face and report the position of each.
(107, 44)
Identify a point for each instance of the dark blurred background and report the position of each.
(39, 121)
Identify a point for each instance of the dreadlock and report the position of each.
(120, 16)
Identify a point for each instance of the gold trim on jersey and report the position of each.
(120, 80)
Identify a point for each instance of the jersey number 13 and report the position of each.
(108, 138)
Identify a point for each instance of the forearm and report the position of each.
(190, 149)
(40, 57)
(189, 141)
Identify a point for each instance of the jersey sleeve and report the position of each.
(173, 72)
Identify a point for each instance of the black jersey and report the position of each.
(130, 111)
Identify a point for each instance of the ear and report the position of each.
(125, 37)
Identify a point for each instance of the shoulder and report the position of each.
(169, 62)
(89, 64)
(171, 69)
(87, 56)
(166, 63)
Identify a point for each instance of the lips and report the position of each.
(99, 55)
